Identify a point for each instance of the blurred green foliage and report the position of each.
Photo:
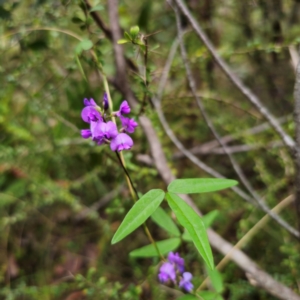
(52, 246)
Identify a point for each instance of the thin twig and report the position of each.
(297, 148)
(289, 142)
(210, 125)
(261, 224)
(209, 146)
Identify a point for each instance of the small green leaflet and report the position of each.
(164, 248)
(193, 224)
(199, 185)
(97, 8)
(139, 213)
(162, 219)
(207, 219)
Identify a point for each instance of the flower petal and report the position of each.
(89, 113)
(128, 124)
(121, 142)
(105, 101)
(86, 133)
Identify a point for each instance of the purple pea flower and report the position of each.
(121, 142)
(177, 260)
(105, 101)
(104, 131)
(90, 112)
(185, 282)
(90, 102)
(128, 124)
(86, 133)
(167, 272)
(124, 109)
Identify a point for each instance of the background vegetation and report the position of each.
(62, 197)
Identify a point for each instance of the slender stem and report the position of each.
(131, 186)
(145, 76)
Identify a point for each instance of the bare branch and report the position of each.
(210, 125)
(297, 152)
(289, 142)
(209, 146)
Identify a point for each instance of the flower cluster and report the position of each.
(173, 271)
(106, 132)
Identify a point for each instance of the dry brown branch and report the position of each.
(297, 148)
(238, 170)
(289, 142)
(208, 147)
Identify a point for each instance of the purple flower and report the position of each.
(167, 272)
(90, 102)
(128, 124)
(105, 101)
(177, 260)
(90, 112)
(185, 282)
(121, 142)
(86, 133)
(103, 131)
(124, 109)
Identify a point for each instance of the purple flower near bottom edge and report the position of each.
(185, 282)
(121, 142)
(177, 260)
(167, 272)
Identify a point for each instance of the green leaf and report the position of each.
(97, 8)
(149, 251)
(139, 213)
(134, 31)
(127, 36)
(199, 185)
(123, 41)
(162, 219)
(86, 44)
(208, 295)
(216, 280)
(186, 236)
(208, 219)
(189, 219)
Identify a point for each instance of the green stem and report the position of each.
(146, 229)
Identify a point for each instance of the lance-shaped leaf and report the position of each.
(162, 219)
(139, 213)
(164, 247)
(189, 219)
(199, 185)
